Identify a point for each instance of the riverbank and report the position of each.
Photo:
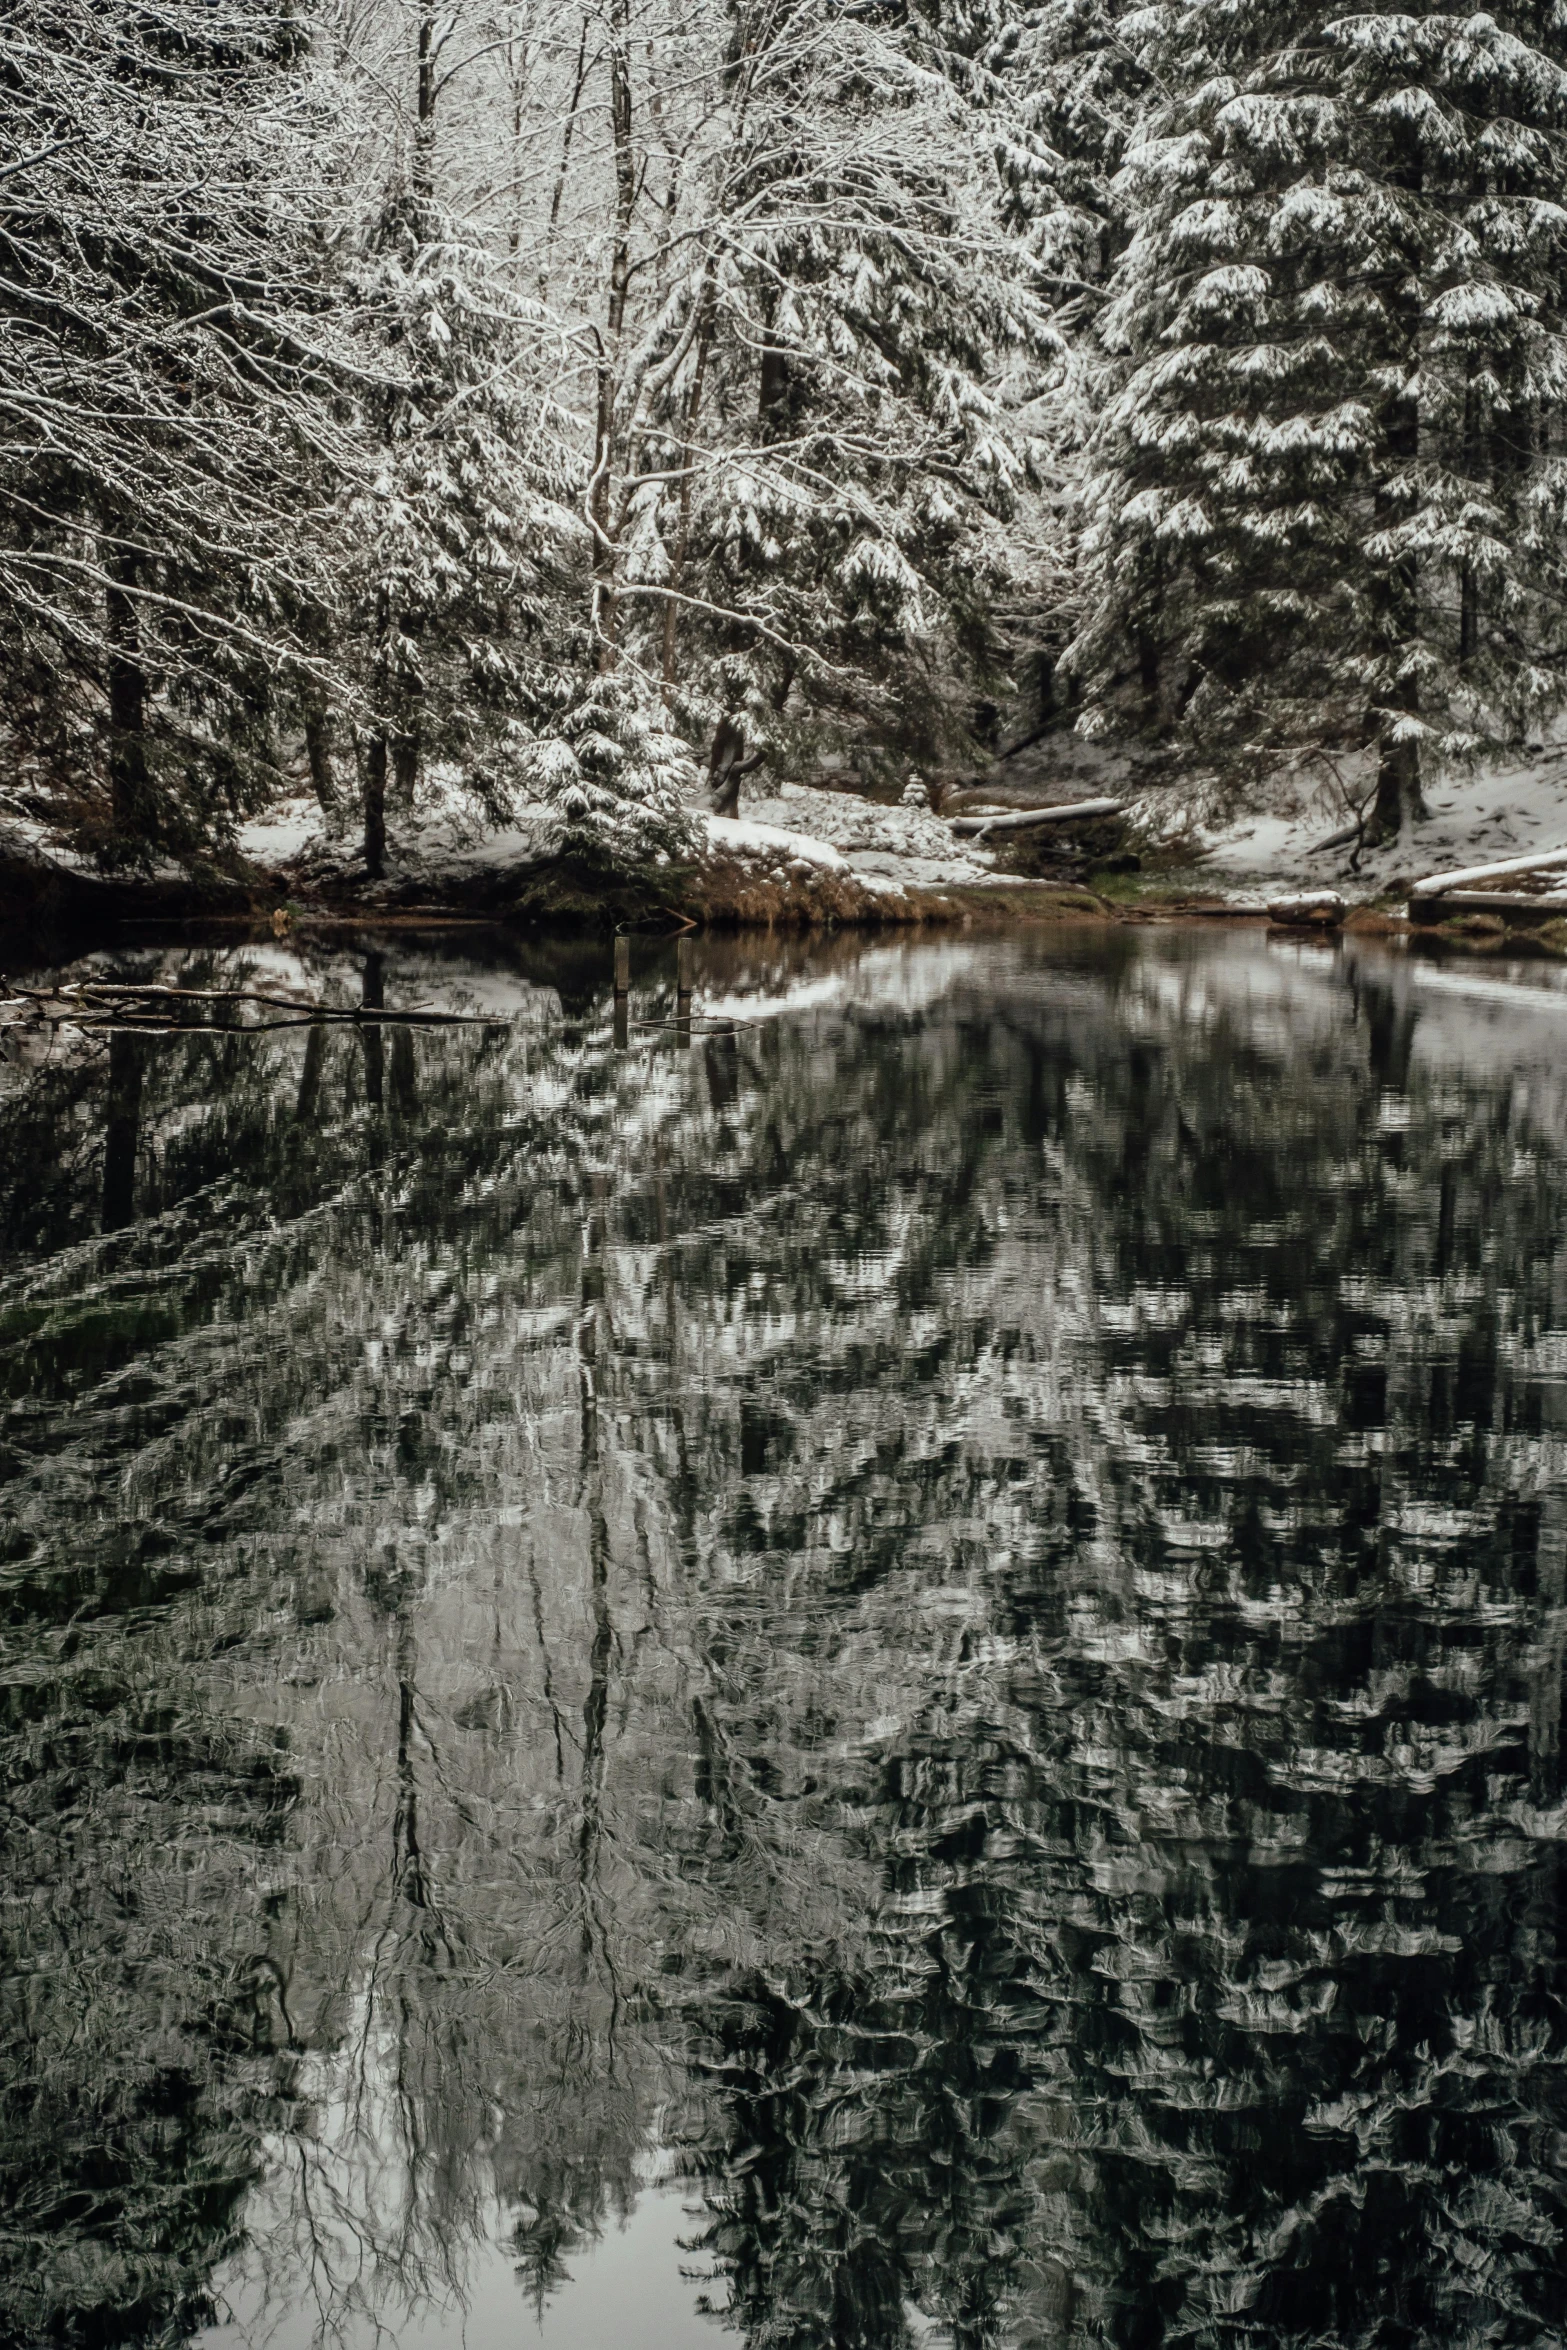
(561, 894)
(802, 859)
(43, 897)
(829, 862)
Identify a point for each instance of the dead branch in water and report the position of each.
(101, 1003)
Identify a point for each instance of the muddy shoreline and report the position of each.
(40, 898)
(43, 903)
(51, 913)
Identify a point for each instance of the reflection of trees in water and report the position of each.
(138, 2018)
(991, 1573)
(1242, 1762)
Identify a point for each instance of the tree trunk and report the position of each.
(518, 80)
(1468, 584)
(130, 797)
(773, 390)
(559, 190)
(423, 175)
(375, 805)
(1399, 800)
(318, 753)
(726, 764)
(1468, 615)
(1149, 677)
(405, 748)
(378, 753)
(704, 342)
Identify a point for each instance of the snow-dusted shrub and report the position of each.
(604, 758)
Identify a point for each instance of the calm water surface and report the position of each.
(892, 1674)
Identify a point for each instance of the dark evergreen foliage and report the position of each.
(165, 371)
(379, 383)
(1327, 513)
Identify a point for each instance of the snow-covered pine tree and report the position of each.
(802, 454)
(480, 630)
(1080, 90)
(164, 416)
(1327, 520)
(856, 442)
(1079, 87)
(603, 756)
(452, 542)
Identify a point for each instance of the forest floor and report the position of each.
(799, 859)
(1497, 812)
(804, 857)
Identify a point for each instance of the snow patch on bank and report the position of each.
(32, 843)
(291, 830)
(438, 843)
(738, 836)
(27, 841)
(882, 845)
(1504, 811)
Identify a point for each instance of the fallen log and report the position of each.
(1520, 910)
(1441, 885)
(1075, 812)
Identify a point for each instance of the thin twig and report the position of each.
(122, 995)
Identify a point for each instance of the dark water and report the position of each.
(890, 1677)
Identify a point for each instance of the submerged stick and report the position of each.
(116, 996)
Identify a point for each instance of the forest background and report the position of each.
(592, 400)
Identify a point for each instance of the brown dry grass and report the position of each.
(1376, 922)
(757, 893)
(735, 893)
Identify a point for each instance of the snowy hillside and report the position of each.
(1495, 813)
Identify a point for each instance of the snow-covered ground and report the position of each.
(28, 842)
(742, 836)
(788, 825)
(882, 845)
(1498, 812)
(440, 843)
(291, 830)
